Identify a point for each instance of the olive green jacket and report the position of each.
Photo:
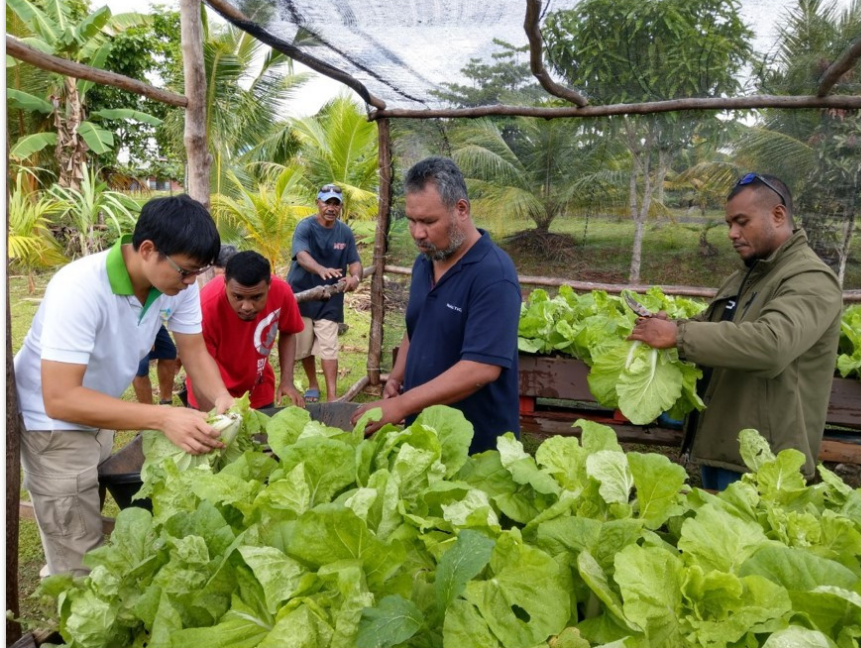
(774, 362)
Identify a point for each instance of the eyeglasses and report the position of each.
(750, 177)
(183, 272)
(328, 188)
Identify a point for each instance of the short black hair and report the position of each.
(443, 173)
(224, 255)
(248, 268)
(178, 225)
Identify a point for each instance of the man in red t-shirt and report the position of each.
(243, 311)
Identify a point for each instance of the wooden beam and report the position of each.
(324, 292)
(840, 67)
(196, 148)
(236, 17)
(536, 62)
(22, 52)
(350, 394)
(849, 296)
(705, 103)
(381, 238)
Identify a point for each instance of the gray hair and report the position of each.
(442, 173)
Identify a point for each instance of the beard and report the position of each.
(455, 239)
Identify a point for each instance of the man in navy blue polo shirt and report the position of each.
(460, 348)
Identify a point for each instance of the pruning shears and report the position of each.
(636, 306)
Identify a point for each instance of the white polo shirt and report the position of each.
(90, 316)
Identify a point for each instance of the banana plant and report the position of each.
(54, 29)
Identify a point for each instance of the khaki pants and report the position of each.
(318, 338)
(61, 473)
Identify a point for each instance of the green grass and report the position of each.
(601, 250)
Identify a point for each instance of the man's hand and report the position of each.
(657, 332)
(352, 283)
(188, 429)
(392, 413)
(330, 273)
(289, 390)
(223, 403)
(392, 388)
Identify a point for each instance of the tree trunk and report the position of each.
(196, 149)
(640, 220)
(13, 461)
(71, 151)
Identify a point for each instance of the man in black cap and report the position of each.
(324, 252)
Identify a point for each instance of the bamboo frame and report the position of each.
(381, 239)
(27, 54)
(699, 103)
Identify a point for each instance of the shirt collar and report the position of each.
(118, 274)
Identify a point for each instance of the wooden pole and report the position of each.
(197, 151)
(649, 107)
(381, 238)
(22, 52)
(536, 61)
(840, 67)
(13, 455)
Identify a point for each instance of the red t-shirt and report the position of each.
(241, 349)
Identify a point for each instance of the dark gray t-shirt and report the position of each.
(331, 247)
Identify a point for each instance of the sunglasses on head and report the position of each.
(328, 188)
(750, 177)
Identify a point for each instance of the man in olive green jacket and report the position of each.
(767, 343)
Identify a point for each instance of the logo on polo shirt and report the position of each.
(165, 314)
(454, 308)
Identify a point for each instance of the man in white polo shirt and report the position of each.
(99, 317)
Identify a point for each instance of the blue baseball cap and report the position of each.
(330, 191)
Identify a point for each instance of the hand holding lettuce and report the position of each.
(640, 381)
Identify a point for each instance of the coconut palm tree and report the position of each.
(339, 145)
(542, 171)
(262, 219)
(247, 84)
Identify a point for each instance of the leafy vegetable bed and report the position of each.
(640, 381)
(404, 540)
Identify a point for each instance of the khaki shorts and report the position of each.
(61, 473)
(318, 338)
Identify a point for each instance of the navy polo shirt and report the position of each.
(331, 247)
(471, 314)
